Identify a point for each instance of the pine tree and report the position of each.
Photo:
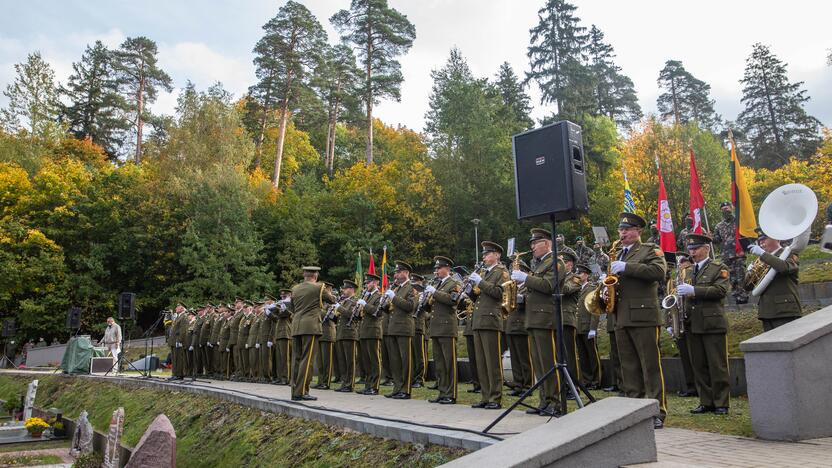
(556, 53)
(33, 98)
(516, 103)
(96, 109)
(380, 33)
(285, 57)
(614, 93)
(774, 121)
(685, 98)
(139, 79)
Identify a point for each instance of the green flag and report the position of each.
(359, 276)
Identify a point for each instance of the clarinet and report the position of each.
(354, 310)
(424, 298)
(384, 302)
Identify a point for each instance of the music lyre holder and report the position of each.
(560, 364)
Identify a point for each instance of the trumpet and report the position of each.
(509, 302)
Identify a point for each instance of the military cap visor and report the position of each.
(349, 284)
(314, 269)
(417, 277)
(269, 297)
(724, 204)
(488, 246)
(695, 241)
(440, 261)
(329, 284)
(581, 268)
(403, 266)
(629, 220)
(372, 277)
(285, 291)
(568, 256)
(539, 233)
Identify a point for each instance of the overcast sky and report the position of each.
(210, 40)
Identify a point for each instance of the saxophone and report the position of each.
(676, 304)
(509, 302)
(603, 300)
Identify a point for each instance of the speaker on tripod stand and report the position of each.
(8, 338)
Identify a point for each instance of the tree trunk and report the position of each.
(772, 116)
(281, 137)
(333, 125)
(258, 147)
(675, 100)
(369, 152)
(139, 122)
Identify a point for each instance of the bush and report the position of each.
(89, 460)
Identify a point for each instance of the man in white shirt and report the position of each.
(112, 337)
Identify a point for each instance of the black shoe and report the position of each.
(344, 390)
(416, 385)
(721, 410)
(687, 393)
(742, 301)
(474, 390)
(434, 387)
(434, 400)
(493, 405)
(447, 401)
(611, 388)
(658, 423)
(401, 396)
(515, 392)
(702, 409)
(533, 411)
(551, 411)
(308, 397)
(369, 391)
(479, 405)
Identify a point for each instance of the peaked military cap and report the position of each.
(400, 265)
(760, 234)
(628, 220)
(581, 268)
(329, 284)
(697, 240)
(372, 277)
(682, 256)
(285, 291)
(540, 233)
(311, 268)
(269, 297)
(567, 255)
(488, 246)
(440, 261)
(724, 204)
(349, 284)
(417, 277)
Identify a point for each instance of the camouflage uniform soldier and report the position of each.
(585, 255)
(654, 234)
(563, 248)
(602, 260)
(724, 238)
(683, 234)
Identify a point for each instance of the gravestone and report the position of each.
(82, 437)
(29, 402)
(111, 452)
(157, 447)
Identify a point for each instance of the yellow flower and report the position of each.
(35, 424)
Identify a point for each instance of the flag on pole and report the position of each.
(384, 270)
(359, 275)
(743, 210)
(371, 269)
(697, 201)
(667, 239)
(629, 204)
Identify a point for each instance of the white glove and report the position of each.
(337, 306)
(178, 344)
(190, 348)
(430, 289)
(591, 334)
(246, 345)
(756, 250)
(519, 276)
(218, 343)
(475, 278)
(256, 345)
(750, 266)
(618, 266)
(669, 331)
(602, 277)
(210, 345)
(269, 344)
(684, 289)
(268, 311)
(362, 302)
(227, 350)
(389, 294)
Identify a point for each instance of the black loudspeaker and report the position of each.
(550, 172)
(73, 318)
(8, 328)
(126, 306)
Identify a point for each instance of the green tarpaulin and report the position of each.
(77, 357)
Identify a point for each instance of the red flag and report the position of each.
(667, 239)
(697, 201)
(371, 269)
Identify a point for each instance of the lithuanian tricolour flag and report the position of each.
(743, 210)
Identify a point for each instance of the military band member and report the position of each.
(237, 351)
(587, 333)
(225, 350)
(370, 335)
(602, 262)
(569, 308)
(779, 303)
(253, 346)
(402, 328)
(346, 337)
(468, 333)
(540, 323)
(199, 351)
(640, 268)
(488, 323)
(419, 351)
(388, 342)
(563, 248)
(689, 389)
(217, 322)
(191, 346)
(518, 342)
(174, 340)
(681, 238)
(307, 305)
(705, 289)
(585, 255)
(444, 329)
(725, 238)
(282, 338)
(326, 346)
(265, 335)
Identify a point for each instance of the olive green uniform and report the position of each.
(346, 340)
(779, 303)
(419, 351)
(471, 349)
(708, 338)
(637, 322)
(588, 348)
(443, 332)
(540, 324)
(226, 363)
(518, 344)
(253, 347)
(307, 308)
(234, 332)
(387, 343)
(569, 308)
(243, 335)
(282, 334)
(264, 338)
(217, 323)
(402, 329)
(179, 333)
(488, 323)
(191, 347)
(370, 334)
(326, 347)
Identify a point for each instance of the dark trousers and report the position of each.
(709, 356)
(490, 365)
(324, 362)
(244, 369)
(401, 363)
(179, 364)
(236, 359)
(571, 352)
(387, 343)
(544, 358)
(265, 358)
(771, 324)
(521, 361)
(305, 348)
(472, 361)
(444, 358)
(615, 360)
(641, 364)
(360, 372)
(687, 367)
(588, 359)
(347, 355)
(336, 362)
(253, 362)
(420, 358)
(283, 359)
(371, 361)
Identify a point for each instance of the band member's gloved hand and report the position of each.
(519, 276)
(618, 266)
(269, 344)
(685, 289)
(227, 350)
(256, 345)
(178, 344)
(190, 348)
(750, 266)
(756, 250)
(591, 335)
(669, 331)
(430, 289)
(218, 343)
(246, 345)
(602, 277)
(389, 294)
(362, 302)
(521, 298)
(210, 345)
(475, 278)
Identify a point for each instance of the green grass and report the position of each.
(816, 272)
(30, 460)
(211, 432)
(47, 444)
(813, 252)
